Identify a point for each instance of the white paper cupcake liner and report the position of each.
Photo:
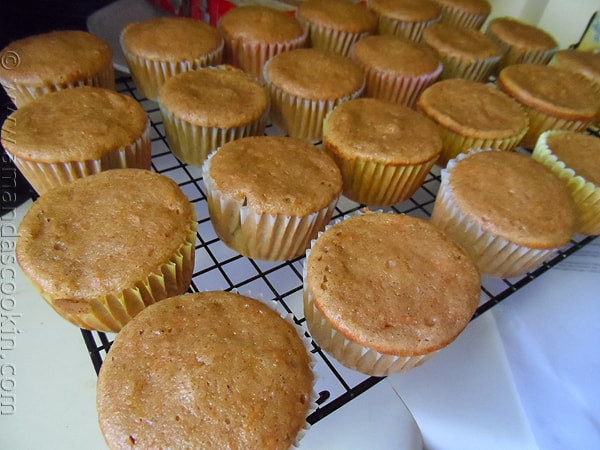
(261, 235)
(455, 16)
(494, 255)
(252, 56)
(192, 144)
(401, 90)
(479, 70)
(585, 193)
(325, 38)
(45, 176)
(149, 75)
(409, 30)
(21, 94)
(540, 122)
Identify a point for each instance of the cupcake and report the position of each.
(521, 42)
(575, 159)
(255, 33)
(405, 18)
(554, 98)
(472, 115)
(396, 69)
(372, 292)
(159, 48)
(384, 150)
(36, 65)
(465, 52)
(509, 212)
(269, 196)
(335, 25)
(305, 84)
(206, 370)
(73, 133)
(205, 108)
(584, 63)
(102, 248)
(466, 13)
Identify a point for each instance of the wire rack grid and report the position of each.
(219, 268)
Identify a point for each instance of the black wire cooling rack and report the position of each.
(219, 268)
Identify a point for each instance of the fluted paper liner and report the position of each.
(21, 93)
(149, 75)
(326, 38)
(45, 176)
(466, 19)
(494, 255)
(585, 193)
(261, 235)
(410, 30)
(478, 70)
(109, 313)
(514, 55)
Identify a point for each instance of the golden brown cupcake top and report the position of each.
(551, 89)
(74, 125)
(585, 63)
(473, 108)
(513, 196)
(521, 35)
(221, 96)
(170, 39)
(384, 131)
(205, 370)
(393, 283)
(395, 55)
(276, 175)
(470, 6)
(314, 74)
(406, 10)
(262, 24)
(579, 152)
(344, 15)
(456, 41)
(57, 57)
(101, 234)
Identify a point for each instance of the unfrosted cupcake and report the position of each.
(584, 63)
(36, 65)
(205, 108)
(159, 48)
(465, 52)
(269, 196)
(73, 133)
(255, 33)
(553, 98)
(383, 292)
(384, 150)
(466, 13)
(102, 248)
(205, 371)
(575, 159)
(305, 84)
(406, 18)
(472, 115)
(509, 212)
(521, 43)
(335, 25)
(396, 69)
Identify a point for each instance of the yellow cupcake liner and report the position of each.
(149, 75)
(45, 176)
(21, 93)
(475, 70)
(259, 235)
(585, 193)
(329, 39)
(455, 16)
(109, 313)
(376, 183)
(455, 144)
(409, 30)
(348, 353)
(494, 255)
(402, 90)
(252, 56)
(192, 144)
